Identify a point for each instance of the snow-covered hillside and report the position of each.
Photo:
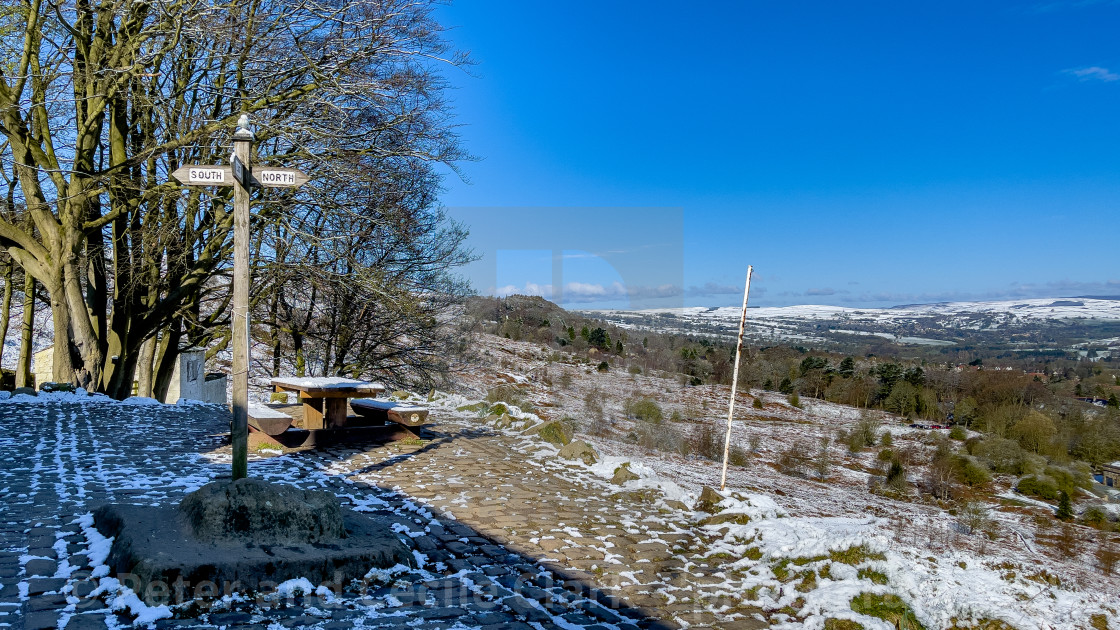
(924, 324)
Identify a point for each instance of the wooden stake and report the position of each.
(735, 380)
(239, 430)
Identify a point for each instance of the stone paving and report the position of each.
(508, 536)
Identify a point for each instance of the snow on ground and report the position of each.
(922, 550)
(821, 324)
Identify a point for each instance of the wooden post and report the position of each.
(735, 379)
(239, 431)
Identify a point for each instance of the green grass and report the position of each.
(889, 608)
(873, 575)
(842, 624)
(855, 555)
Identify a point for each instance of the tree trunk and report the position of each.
(166, 356)
(23, 369)
(297, 348)
(144, 377)
(6, 308)
(274, 332)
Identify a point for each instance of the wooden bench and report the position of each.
(390, 411)
(269, 421)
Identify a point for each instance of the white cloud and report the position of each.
(711, 288)
(1093, 73)
(530, 288)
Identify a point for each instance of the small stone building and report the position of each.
(1111, 475)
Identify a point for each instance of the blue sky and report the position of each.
(857, 153)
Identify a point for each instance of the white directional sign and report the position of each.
(276, 178)
(279, 177)
(204, 175)
(221, 175)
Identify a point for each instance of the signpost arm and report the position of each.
(239, 431)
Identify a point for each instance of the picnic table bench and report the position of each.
(390, 411)
(323, 403)
(268, 420)
(324, 397)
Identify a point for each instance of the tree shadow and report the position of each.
(465, 576)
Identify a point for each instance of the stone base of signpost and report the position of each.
(244, 536)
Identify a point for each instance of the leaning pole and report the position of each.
(735, 379)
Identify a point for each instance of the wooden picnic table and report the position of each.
(324, 397)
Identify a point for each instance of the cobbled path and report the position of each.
(510, 536)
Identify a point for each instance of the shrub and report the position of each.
(676, 416)
(708, 443)
(958, 433)
(662, 438)
(593, 407)
(823, 461)
(1095, 516)
(795, 400)
(1067, 480)
(896, 476)
(1003, 456)
(886, 439)
(603, 367)
(972, 517)
(794, 460)
(634, 369)
(1039, 486)
(864, 433)
(969, 472)
(645, 410)
(757, 403)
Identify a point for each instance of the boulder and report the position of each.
(579, 450)
(555, 433)
(735, 518)
(708, 501)
(243, 536)
(252, 510)
(622, 474)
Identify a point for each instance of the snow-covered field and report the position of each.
(920, 549)
(923, 324)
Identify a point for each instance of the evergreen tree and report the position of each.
(1065, 510)
(847, 367)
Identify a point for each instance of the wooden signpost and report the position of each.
(243, 178)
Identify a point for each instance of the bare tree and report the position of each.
(102, 99)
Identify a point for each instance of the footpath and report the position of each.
(506, 534)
